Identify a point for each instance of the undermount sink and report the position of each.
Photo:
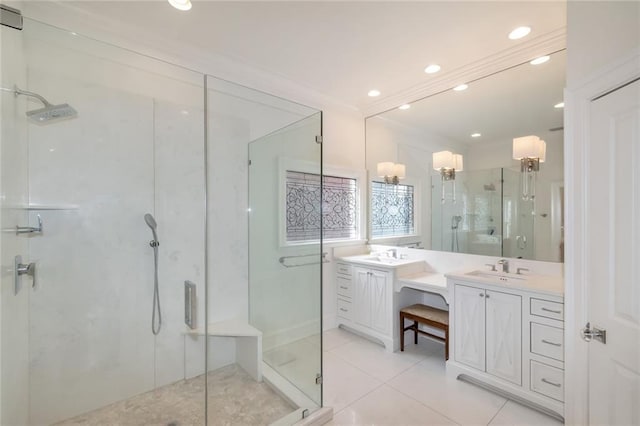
(498, 276)
(382, 259)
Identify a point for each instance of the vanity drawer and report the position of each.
(547, 380)
(547, 309)
(343, 269)
(344, 287)
(547, 341)
(345, 309)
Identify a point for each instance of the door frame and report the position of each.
(577, 141)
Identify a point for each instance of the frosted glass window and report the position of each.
(339, 209)
(392, 210)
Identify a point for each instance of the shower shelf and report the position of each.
(231, 328)
(39, 207)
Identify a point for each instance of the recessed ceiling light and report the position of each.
(432, 69)
(540, 60)
(476, 135)
(519, 33)
(461, 87)
(181, 4)
(373, 93)
(559, 105)
(405, 106)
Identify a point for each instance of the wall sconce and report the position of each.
(531, 151)
(447, 163)
(391, 172)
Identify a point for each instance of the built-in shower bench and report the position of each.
(248, 341)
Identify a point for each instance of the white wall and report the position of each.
(599, 33)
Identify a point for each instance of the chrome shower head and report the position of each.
(51, 113)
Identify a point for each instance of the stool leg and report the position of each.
(415, 332)
(401, 332)
(446, 344)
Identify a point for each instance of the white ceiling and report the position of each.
(339, 49)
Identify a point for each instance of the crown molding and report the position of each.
(523, 52)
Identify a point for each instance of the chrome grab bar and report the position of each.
(283, 260)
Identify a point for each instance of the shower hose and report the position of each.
(156, 319)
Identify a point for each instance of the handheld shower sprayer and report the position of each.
(151, 223)
(155, 324)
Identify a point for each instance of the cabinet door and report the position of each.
(469, 326)
(504, 336)
(379, 283)
(361, 297)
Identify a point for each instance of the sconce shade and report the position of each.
(447, 160)
(442, 160)
(399, 171)
(457, 162)
(529, 147)
(385, 169)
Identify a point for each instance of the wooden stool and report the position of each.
(423, 314)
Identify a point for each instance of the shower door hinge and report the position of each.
(249, 162)
(319, 139)
(10, 17)
(318, 379)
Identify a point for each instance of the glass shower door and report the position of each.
(285, 253)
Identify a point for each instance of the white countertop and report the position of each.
(431, 282)
(546, 284)
(367, 259)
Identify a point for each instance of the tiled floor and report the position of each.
(234, 399)
(367, 385)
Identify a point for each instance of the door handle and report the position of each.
(588, 334)
(20, 269)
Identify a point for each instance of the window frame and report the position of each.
(301, 166)
(417, 215)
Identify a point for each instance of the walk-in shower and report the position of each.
(49, 113)
(76, 348)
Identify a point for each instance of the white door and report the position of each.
(362, 297)
(469, 326)
(504, 336)
(379, 305)
(613, 257)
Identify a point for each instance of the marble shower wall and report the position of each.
(136, 147)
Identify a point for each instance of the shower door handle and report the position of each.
(190, 304)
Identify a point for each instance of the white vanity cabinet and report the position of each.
(510, 338)
(488, 331)
(366, 301)
(372, 298)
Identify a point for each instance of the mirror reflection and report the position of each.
(475, 171)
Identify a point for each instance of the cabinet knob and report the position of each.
(487, 296)
(481, 295)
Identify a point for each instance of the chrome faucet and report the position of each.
(394, 253)
(505, 265)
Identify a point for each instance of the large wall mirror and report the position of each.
(493, 204)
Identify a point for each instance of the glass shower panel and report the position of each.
(14, 196)
(519, 217)
(285, 224)
(134, 147)
(253, 139)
